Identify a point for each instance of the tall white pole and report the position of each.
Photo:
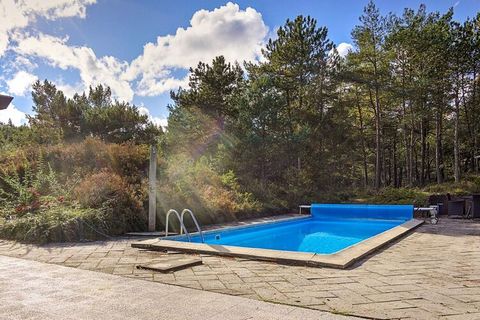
(152, 189)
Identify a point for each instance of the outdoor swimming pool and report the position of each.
(333, 235)
(329, 229)
(304, 235)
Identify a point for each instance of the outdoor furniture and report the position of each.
(476, 206)
(442, 209)
(305, 207)
(439, 200)
(456, 208)
(472, 206)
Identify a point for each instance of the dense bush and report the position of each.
(398, 196)
(122, 207)
(82, 190)
(54, 224)
(72, 191)
(196, 185)
(470, 184)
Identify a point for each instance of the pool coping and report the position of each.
(341, 259)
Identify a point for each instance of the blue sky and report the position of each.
(143, 48)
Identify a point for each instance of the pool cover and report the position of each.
(362, 211)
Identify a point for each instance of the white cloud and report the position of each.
(93, 71)
(21, 83)
(343, 49)
(11, 113)
(159, 122)
(18, 14)
(22, 63)
(151, 86)
(143, 111)
(229, 31)
(70, 90)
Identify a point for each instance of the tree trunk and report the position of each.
(423, 139)
(394, 156)
(438, 146)
(362, 138)
(411, 147)
(378, 141)
(456, 147)
(408, 143)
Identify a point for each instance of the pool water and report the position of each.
(329, 229)
(304, 235)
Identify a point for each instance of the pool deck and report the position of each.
(431, 273)
(35, 290)
(341, 260)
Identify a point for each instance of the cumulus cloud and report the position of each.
(237, 34)
(12, 113)
(155, 84)
(21, 83)
(93, 70)
(229, 31)
(68, 89)
(343, 49)
(18, 14)
(159, 122)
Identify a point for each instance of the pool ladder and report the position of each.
(182, 224)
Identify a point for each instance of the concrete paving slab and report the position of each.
(435, 270)
(35, 290)
(172, 263)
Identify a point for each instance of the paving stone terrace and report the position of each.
(432, 273)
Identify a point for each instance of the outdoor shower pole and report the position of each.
(152, 189)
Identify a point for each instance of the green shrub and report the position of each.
(26, 190)
(398, 196)
(46, 191)
(469, 184)
(213, 197)
(123, 208)
(54, 224)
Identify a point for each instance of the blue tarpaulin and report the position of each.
(362, 211)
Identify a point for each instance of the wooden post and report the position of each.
(152, 189)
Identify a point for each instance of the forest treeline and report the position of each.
(400, 111)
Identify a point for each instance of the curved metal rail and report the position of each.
(180, 219)
(194, 221)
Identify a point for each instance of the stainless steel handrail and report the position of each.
(180, 219)
(194, 221)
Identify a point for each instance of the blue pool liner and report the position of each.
(362, 211)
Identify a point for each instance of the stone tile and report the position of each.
(397, 288)
(393, 296)
(229, 278)
(285, 286)
(211, 284)
(469, 316)
(399, 304)
(432, 273)
(351, 296)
